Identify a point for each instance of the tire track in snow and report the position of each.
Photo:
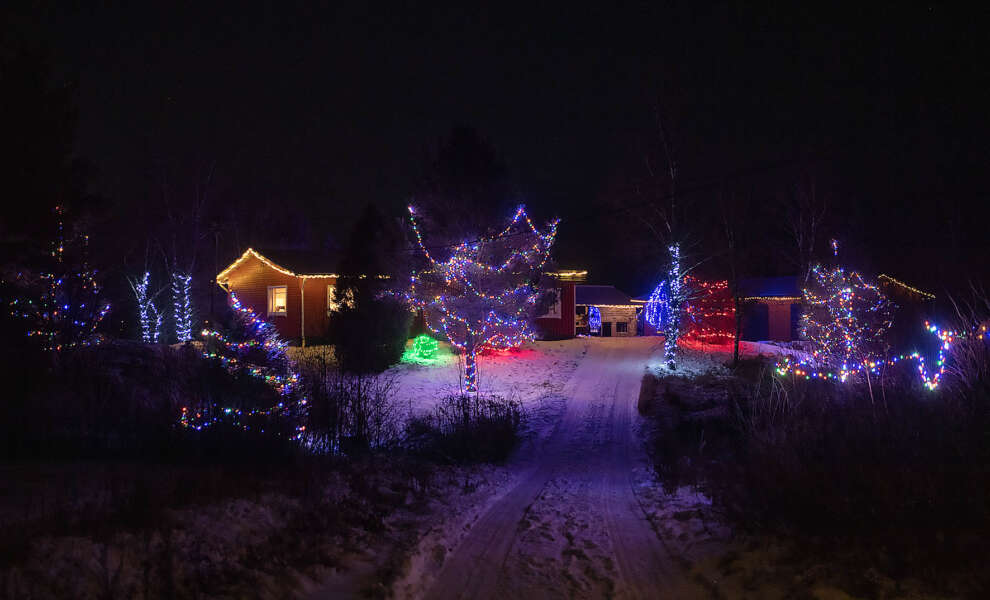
(591, 536)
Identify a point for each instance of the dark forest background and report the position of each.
(193, 133)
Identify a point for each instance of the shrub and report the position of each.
(349, 414)
(466, 429)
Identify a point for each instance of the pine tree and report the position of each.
(61, 300)
(368, 328)
(485, 292)
(253, 349)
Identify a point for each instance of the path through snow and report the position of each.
(569, 525)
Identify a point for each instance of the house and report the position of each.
(771, 308)
(292, 289)
(569, 315)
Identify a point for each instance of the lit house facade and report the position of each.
(287, 288)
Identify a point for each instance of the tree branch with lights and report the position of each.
(62, 301)
(485, 293)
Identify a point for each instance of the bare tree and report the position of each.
(805, 222)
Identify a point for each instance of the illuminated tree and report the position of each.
(711, 313)
(61, 300)
(845, 318)
(486, 292)
(149, 317)
(182, 306)
(253, 350)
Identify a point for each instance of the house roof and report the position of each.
(291, 262)
(601, 295)
(770, 287)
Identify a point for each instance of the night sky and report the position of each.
(336, 108)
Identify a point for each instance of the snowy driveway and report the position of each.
(571, 525)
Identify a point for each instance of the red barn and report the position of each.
(293, 290)
(558, 323)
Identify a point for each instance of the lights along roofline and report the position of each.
(222, 276)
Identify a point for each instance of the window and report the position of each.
(580, 310)
(553, 312)
(278, 300)
(621, 327)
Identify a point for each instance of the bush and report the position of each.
(908, 480)
(897, 480)
(349, 414)
(467, 429)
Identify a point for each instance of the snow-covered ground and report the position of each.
(528, 374)
(567, 521)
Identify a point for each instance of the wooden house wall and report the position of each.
(776, 321)
(619, 314)
(250, 281)
(555, 329)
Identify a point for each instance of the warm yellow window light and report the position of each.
(278, 300)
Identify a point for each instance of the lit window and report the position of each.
(622, 327)
(278, 300)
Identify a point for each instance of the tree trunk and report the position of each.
(735, 349)
(470, 370)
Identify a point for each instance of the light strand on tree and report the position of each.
(594, 319)
(929, 379)
(63, 306)
(658, 306)
(182, 312)
(149, 317)
(677, 303)
(277, 371)
(845, 318)
(483, 295)
(712, 312)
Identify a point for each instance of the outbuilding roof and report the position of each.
(601, 295)
(770, 287)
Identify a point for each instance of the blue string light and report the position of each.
(483, 295)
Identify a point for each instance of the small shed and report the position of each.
(771, 308)
(292, 289)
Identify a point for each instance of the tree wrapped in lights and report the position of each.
(594, 319)
(62, 301)
(253, 350)
(668, 306)
(657, 307)
(182, 307)
(484, 295)
(149, 317)
(845, 318)
(711, 313)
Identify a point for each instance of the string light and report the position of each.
(929, 378)
(223, 276)
(594, 319)
(424, 346)
(657, 306)
(712, 312)
(905, 286)
(677, 303)
(483, 295)
(262, 356)
(182, 311)
(63, 305)
(149, 317)
(845, 318)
